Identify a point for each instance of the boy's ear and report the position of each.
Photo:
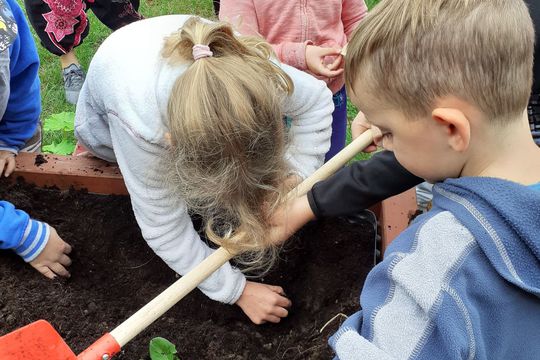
(456, 126)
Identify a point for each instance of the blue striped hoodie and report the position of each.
(18, 232)
(20, 108)
(19, 82)
(462, 282)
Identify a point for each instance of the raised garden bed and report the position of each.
(114, 273)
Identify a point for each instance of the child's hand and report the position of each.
(7, 162)
(262, 303)
(54, 257)
(315, 61)
(359, 125)
(289, 218)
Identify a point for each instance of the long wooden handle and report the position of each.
(174, 293)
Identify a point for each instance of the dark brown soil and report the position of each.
(114, 273)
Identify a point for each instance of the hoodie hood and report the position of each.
(504, 217)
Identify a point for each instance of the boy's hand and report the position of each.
(54, 257)
(7, 162)
(287, 219)
(315, 61)
(359, 125)
(262, 303)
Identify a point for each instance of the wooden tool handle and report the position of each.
(174, 293)
(334, 164)
(169, 297)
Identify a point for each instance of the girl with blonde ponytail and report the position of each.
(193, 114)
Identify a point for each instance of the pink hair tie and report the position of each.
(201, 51)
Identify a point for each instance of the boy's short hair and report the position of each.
(411, 52)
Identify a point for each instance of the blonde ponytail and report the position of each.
(227, 134)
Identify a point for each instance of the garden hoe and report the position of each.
(40, 341)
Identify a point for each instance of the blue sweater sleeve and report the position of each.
(24, 105)
(18, 232)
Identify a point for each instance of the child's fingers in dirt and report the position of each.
(272, 319)
(45, 271)
(67, 248)
(281, 312)
(65, 260)
(59, 269)
(277, 289)
(283, 302)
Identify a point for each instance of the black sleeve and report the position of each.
(360, 185)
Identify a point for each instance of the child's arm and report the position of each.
(352, 12)
(310, 107)
(361, 185)
(289, 219)
(350, 190)
(21, 116)
(36, 242)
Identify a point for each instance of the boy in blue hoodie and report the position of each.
(20, 106)
(447, 83)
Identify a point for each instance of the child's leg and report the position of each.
(117, 13)
(339, 124)
(68, 59)
(216, 7)
(59, 29)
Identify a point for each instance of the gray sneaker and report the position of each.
(73, 81)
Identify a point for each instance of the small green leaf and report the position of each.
(63, 121)
(64, 147)
(162, 349)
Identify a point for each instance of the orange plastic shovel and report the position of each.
(40, 341)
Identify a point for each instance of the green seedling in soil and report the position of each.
(58, 135)
(162, 349)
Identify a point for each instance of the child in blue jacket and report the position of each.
(20, 107)
(447, 83)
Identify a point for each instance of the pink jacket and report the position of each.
(290, 25)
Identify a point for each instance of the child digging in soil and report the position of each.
(194, 117)
(463, 280)
(20, 105)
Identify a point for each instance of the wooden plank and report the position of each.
(64, 172)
